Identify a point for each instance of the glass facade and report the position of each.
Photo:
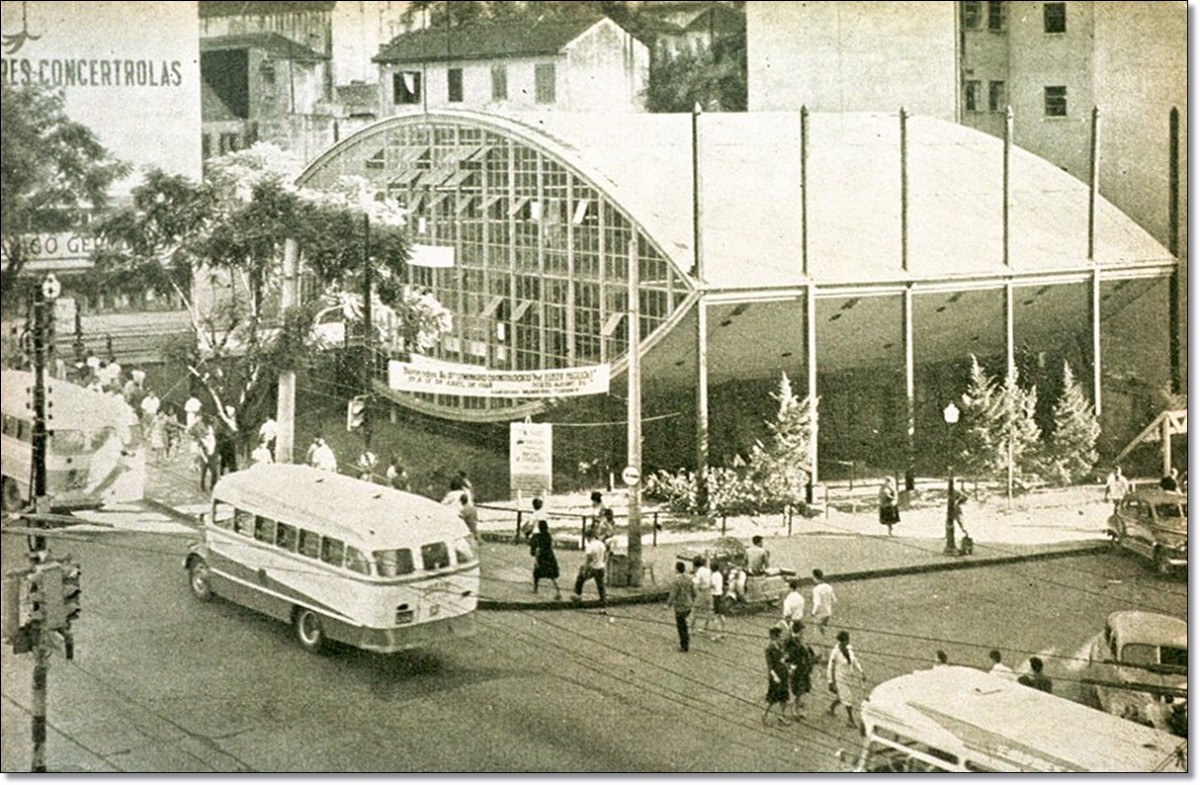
(541, 254)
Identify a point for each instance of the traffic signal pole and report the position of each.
(37, 542)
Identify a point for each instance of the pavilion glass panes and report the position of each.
(541, 255)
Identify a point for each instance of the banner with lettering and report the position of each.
(431, 376)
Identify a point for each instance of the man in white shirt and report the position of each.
(323, 457)
(999, 668)
(150, 406)
(191, 411)
(595, 559)
(702, 611)
(823, 599)
(793, 603)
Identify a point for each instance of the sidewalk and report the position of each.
(846, 546)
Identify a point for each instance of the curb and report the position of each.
(660, 595)
(171, 512)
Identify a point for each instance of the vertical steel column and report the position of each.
(804, 190)
(1010, 365)
(285, 400)
(903, 190)
(1175, 319)
(368, 331)
(701, 319)
(1094, 184)
(910, 408)
(1008, 133)
(810, 359)
(1094, 309)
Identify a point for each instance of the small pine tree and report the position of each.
(1071, 449)
(1020, 428)
(780, 469)
(978, 433)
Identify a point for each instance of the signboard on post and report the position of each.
(426, 376)
(530, 458)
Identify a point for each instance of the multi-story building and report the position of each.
(688, 27)
(137, 87)
(556, 64)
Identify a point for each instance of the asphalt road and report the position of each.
(162, 682)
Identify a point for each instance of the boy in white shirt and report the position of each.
(823, 599)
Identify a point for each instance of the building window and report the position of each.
(1054, 17)
(1056, 101)
(406, 87)
(543, 82)
(970, 14)
(499, 83)
(454, 85)
(997, 97)
(972, 95)
(997, 14)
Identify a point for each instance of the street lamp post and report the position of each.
(950, 415)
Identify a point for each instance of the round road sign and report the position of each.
(631, 475)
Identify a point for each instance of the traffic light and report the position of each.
(53, 615)
(11, 597)
(71, 591)
(33, 597)
(356, 410)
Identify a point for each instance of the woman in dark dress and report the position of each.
(800, 658)
(545, 565)
(777, 678)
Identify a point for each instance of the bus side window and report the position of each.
(25, 430)
(332, 551)
(356, 561)
(285, 537)
(310, 544)
(464, 551)
(223, 516)
(264, 529)
(10, 425)
(435, 556)
(243, 522)
(394, 563)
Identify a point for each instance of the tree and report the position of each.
(219, 245)
(1071, 449)
(713, 77)
(53, 172)
(977, 436)
(999, 426)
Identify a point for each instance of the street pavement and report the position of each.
(844, 539)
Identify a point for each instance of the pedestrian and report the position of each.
(1170, 481)
(941, 659)
(843, 681)
(320, 455)
(801, 658)
(158, 435)
(717, 581)
(191, 411)
(460, 483)
(208, 458)
(777, 677)
(595, 559)
(999, 668)
(396, 475)
(681, 598)
(702, 610)
(758, 558)
(793, 603)
(1115, 487)
(823, 600)
(261, 454)
(1036, 678)
(532, 523)
(227, 441)
(150, 406)
(966, 545)
(545, 563)
(889, 504)
(172, 428)
(468, 514)
(602, 516)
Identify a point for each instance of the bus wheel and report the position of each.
(308, 631)
(198, 580)
(10, 495)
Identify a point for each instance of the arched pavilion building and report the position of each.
(868, 256)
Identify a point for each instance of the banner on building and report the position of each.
(431, 255)
(530, 458)
(431, 376)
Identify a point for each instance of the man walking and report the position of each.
(595, 556)
(793, 604)
(823, 599)
(681, 598)
(1115, 487)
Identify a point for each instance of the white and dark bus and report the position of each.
(338, 558)
(94, 455)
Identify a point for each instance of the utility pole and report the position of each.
(633, 468)
(47, 293)
(285, 402)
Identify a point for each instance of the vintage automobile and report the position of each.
(1139, 660)
(1152, 524)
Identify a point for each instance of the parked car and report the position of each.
(1152, 524)
(1140, 659)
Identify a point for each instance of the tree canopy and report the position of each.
(53, 171)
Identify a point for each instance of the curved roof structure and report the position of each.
(838, 206)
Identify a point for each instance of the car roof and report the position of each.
(1158, 495)
(1154, 629)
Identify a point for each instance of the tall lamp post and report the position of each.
(950, 415)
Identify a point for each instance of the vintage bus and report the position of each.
(94, 454)
(338, 558)
(952, 718)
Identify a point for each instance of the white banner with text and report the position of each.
(432, 376)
